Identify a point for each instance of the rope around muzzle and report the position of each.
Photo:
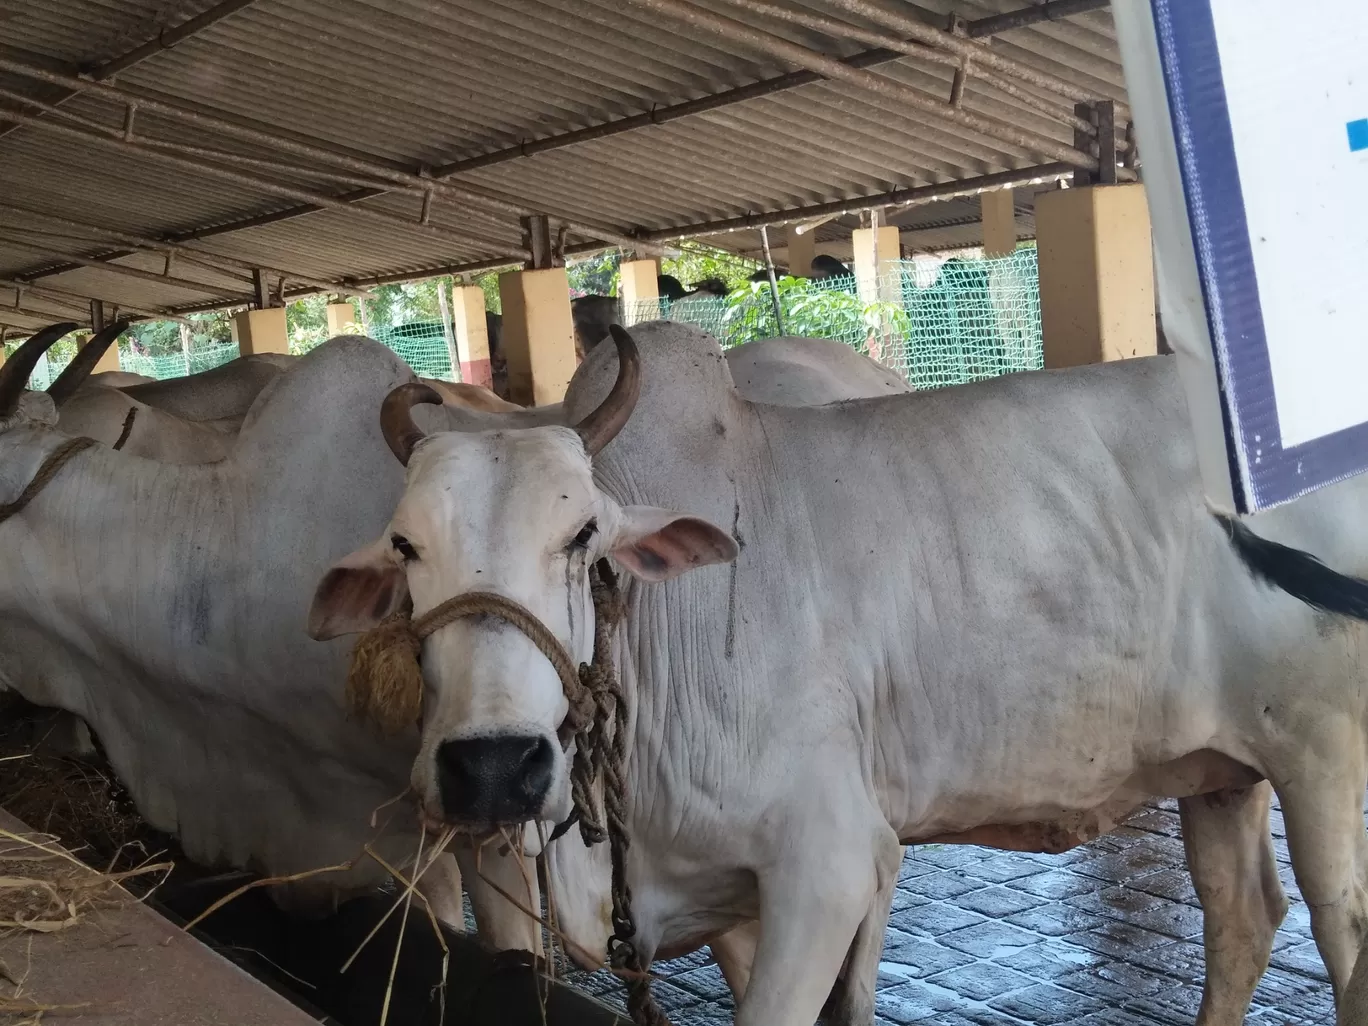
(385, 687)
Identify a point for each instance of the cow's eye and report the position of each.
(585, 536)
(404, 547)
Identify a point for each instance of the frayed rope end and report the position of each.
(384, 681)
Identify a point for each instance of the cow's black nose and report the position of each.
(496, 781)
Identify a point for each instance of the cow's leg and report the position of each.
(1235, 873)
(852, 1000)
(440, 885)
(735, 954)
(1322, 805)
(813, 897)
(500, 923)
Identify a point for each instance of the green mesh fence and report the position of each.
(965, 320)
(422, 345)
(177, 365)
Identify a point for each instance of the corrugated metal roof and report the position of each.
(407, 84)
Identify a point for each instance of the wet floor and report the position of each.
(1106, 935)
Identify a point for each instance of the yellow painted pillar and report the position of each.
(107, 362)
(342, 319)
(1096, 274)
(999, 222)
(801, 249)
(639, 291)
(876, 252)
(262, 331)
(538, 337)
(472, 335)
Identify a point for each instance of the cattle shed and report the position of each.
(162, 158)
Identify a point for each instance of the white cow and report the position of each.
(163, 605)
(996, 614)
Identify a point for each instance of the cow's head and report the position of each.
(20, 407)
(514, 512)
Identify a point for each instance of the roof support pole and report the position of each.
(801, 247)
(262, 331)
(998, 211)
(538, 337)
(877, 251)
(342, 319)
(109, 359)
(474, 353)
(639, 291)
(1096, 274)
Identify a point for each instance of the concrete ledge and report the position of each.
(131, 967)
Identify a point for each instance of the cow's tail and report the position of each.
(1298, 573)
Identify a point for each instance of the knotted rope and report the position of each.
(49, 469)
(385, 686)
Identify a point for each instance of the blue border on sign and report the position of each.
(1225, 262)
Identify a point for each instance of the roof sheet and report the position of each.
(408, 84)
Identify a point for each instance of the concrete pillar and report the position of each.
(109, 361)
(262, 331)
(1096, 274)
(877, 251)
(999, 222)
(801, 249)
(639, 291)
(538, 338)
(341, 319)
(472, 335)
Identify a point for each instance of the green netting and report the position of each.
(423, 346)
(961, 321)
(179, 364)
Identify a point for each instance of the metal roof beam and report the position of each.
(53, 294)
(420, 180)
(991, 128)
(1050, 10)
(190, 253)
(127, 272)
(113, 138)
(163, 40)
(896, 198)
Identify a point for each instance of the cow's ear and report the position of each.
(357, 593)
(657, 544)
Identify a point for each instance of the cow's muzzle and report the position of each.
(494, 781)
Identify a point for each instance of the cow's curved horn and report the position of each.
(74, 374)
(15, 373)
(600, 427)
(396, 417)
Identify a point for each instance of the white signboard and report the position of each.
(1253, 129)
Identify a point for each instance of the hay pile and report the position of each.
(74, 798)
(45, 890)
(72, 801)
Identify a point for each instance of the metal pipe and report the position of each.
(994, 130)
(773, 282)
(129, 272)
(55, 295)
(184, 251)
(1050, 10)
(843, 29)
(138, 54)
(981, 54)
(897, 197)
(167, 38)
(469, 267)
(467, 193)
(116, 141)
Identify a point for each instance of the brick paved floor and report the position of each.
(1106, 935)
